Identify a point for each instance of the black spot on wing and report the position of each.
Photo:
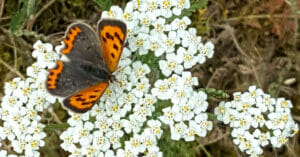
(92, 96)
(118, 37)
(116, 47)
(108, 36)
(113, 55)
(104, 39)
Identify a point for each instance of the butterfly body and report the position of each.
(93, 57)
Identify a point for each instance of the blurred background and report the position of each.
(256, 42)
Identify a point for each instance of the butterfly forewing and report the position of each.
(112, 34)
(81, 42)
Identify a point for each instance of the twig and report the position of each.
(237, 45)
(236, 150)
(297, 118)
(275, 153)
(294, 10)
(205, 151)
(1, 8)
(215, 140)
(15, 53)
(12, 69)
(290, 150)
(258, 17)
(33, 19)
(5, 18)
(56, 119)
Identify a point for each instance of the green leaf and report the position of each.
(211, 92)
(28, 8)
(103, 4)
(57, 126)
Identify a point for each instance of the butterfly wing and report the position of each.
(68, 78)
(112, 34)
(81, 42)
(85, 99)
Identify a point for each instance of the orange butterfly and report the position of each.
(93, 59)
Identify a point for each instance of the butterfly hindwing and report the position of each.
(68, 78)
(81, 42)
(85, 99)
(112, 34)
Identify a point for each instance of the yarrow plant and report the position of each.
(123, 123)
(257, 120)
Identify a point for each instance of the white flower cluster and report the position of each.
(148, 31)
(22, 103)
(257, 120)
(188, 106)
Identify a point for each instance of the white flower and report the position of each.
(243, 121)
(191, 131)
(180, 25)
(125, 153)
(141, 87)
(131, 125)
(189, 58)
(238, 134)
(165, 8)
(183, 112)
(180, 5)
(190, 39)
(135, 144)
(204, 124)
(140, 43)
(68, 140)
(170, 41)
(199, 99)
(155, 129)
(168, 117)
(100, 141)
(206, 50)
(178, 131)
(262, 137)
(161, 90)
(278, 139)
(283, 105)
(156, 43)
(103, 123)
(173, 64)
(114, 138)
(114, 12)
(139, 71)
(159, 26)
(149, 142)
(258, 119)
(77, 119)
(11, 85)
(181, 96)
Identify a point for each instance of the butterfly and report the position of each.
(93, 57)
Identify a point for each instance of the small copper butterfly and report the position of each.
(93, 58)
